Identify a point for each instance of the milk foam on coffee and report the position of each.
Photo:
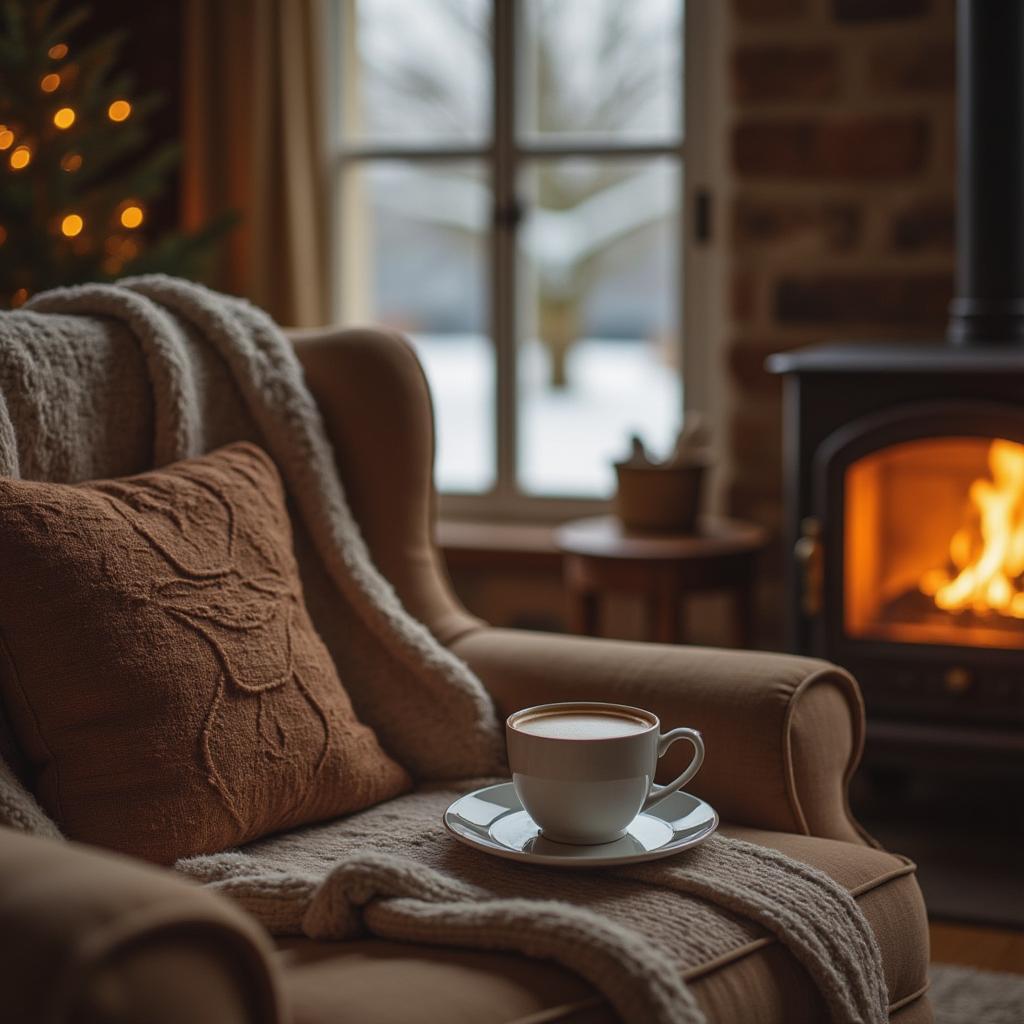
(581, 725)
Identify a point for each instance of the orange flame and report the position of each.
(988, 551)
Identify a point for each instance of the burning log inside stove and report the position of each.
(934, 543)
(986, 572)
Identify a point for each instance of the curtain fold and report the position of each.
(255, 142)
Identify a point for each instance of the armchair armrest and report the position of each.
(87, 936)
(783, 733)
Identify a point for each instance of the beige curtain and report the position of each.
(255, 138)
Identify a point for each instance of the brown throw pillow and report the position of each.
(158, 666)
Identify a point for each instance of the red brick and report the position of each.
(760, 502)
(858, 148)
(747, 371)
(914, 67)
(767, 10)
(878, 10)
(743, 301)
(925, 225)
(813, 227)
(873, 299)
(747, 494)
(746, 361)
(765, 73)
(755, 427)
(756, 477)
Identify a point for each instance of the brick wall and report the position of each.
(841, 154)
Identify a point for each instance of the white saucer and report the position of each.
(493, 820)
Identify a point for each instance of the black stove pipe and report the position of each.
(989, 305)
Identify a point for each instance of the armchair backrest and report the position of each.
(374, 399)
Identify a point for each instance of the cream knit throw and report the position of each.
(104, 380)
(633, 933)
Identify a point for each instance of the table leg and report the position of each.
(663, 610)
(743, 614)
(584, 613)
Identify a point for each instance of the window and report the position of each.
(510, 186)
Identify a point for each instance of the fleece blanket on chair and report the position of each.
(106, 380)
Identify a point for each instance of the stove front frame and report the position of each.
(933, 682)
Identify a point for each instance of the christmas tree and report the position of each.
(76, 167)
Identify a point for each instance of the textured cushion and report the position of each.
(159, 668)
(757, 983)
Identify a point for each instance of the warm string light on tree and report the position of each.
(131, 216)
(78, 174)
(119, 110)
(71, 225)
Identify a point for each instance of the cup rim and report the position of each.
(558, 707)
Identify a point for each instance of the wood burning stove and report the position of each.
(905, 462)
(889, 450)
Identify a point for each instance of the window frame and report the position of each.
(503, 156)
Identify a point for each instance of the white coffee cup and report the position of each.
(584, 770)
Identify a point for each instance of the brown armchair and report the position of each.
(783, 735)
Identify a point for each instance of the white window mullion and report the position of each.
(504, 172)
(702, 324)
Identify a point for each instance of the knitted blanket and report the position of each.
(632, 932)
(104, 380)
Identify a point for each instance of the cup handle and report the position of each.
(664, 742)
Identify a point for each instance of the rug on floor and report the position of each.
(967, 995)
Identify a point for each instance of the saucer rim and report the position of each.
(507, 853)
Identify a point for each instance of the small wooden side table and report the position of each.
(600, 555)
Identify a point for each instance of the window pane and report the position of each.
(602, 68)
(414, 259)
(417, 71)
(598, 357)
